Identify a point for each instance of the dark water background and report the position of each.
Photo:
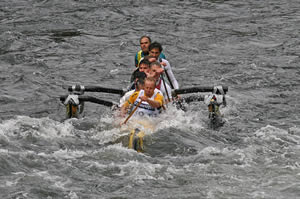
(251, 46)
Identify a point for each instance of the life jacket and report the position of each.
(139, 57)
(158, 85)
(145, 108)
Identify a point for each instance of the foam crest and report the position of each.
(179, 119)
(69, 154)
(107, 135)
(118, 153)
(269, 130)
(277, 135)
(38, 127)
(141, 171)
(56, 181)
(227, 155)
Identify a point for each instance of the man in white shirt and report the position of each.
(155, 72)
(155, 50)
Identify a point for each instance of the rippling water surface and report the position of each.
(251, 46)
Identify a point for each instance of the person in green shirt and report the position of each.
(145, 42)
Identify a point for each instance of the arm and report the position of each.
(124, 109)
(125, 97)
(170, 73)
(127, 103)
(153, 103)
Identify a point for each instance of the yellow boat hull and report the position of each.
(137, 129)
(136, 140)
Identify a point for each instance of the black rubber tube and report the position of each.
(91, 99)
(99, 89)
(198, 89)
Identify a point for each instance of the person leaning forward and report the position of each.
(143, 67)
(152, 100)
(138, 84)
(155, 72)
(155, 49)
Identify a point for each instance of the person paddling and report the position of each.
(155, 72)
(151, 100)
(143, 67)
(138, 84)
(155, 49)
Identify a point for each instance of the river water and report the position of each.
(250, 46)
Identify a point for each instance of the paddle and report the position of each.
(177, 102)
(165, 87)
(169, 79)
(132, 112)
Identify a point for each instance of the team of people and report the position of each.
(149, 91)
